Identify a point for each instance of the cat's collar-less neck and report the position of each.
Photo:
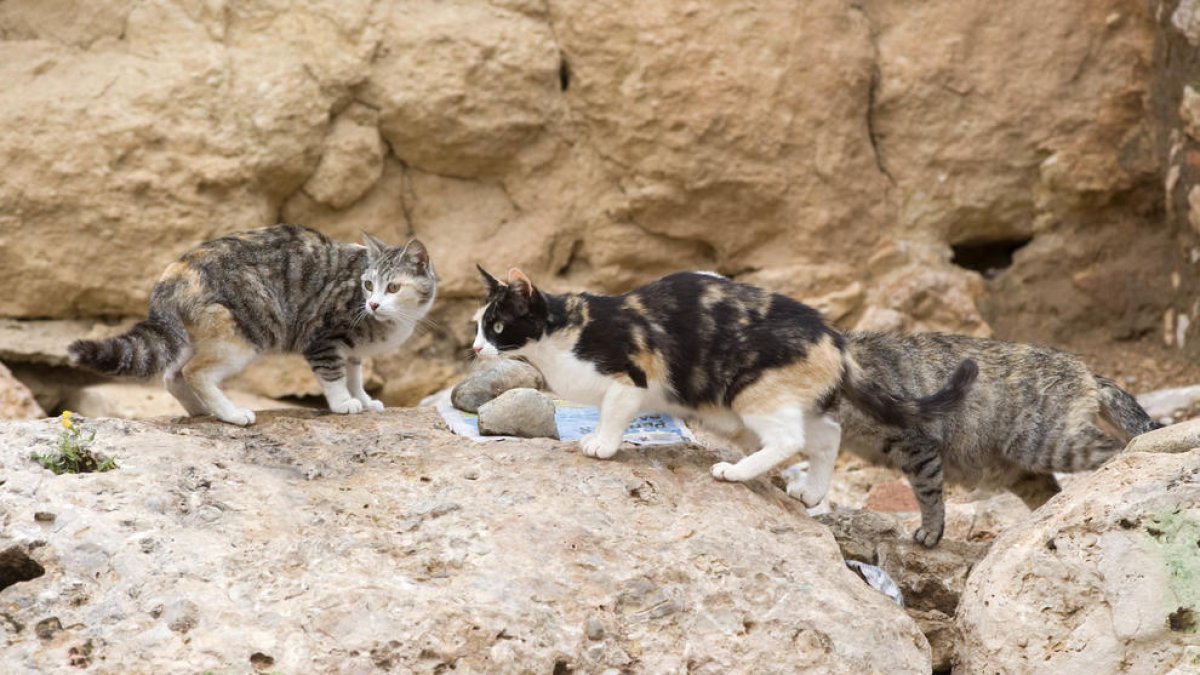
(567, 310)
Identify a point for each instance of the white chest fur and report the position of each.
(568, 376)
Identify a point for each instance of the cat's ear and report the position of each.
(375, 248)
(492, 282)
(416, 254)
(520, 284)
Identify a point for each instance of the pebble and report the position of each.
(493, 380)
(595, 629)
(527, 413)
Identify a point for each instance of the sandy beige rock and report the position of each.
(353, 543)
(1179, 437)
(138, 401)
(1101, 579)
(16, 401)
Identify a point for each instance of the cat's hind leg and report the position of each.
(824, 435)
(782, 435)
(220, 352)
(354, 383)
(181, 390)
(920, 458)
(620, 405)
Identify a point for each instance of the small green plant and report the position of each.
(73, 454)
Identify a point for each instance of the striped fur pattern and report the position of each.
(1033, 411)
(759, 367)
(282, 288)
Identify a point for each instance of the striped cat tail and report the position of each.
(148, 348)
(1122, 410)
(892, 410)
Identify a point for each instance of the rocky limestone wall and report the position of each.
(833, 150)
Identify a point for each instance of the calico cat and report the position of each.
(754, 365)
(1033, 411)
(282, 288)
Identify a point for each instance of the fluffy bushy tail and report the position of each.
(892, 410)
(148, 348)
(1121, 409)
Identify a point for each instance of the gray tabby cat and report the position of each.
(1033, 411)
(282, 288)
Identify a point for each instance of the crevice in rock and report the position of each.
(989, 258)
(564, 72)
(872, 92)
(871, 133)
(16, 566)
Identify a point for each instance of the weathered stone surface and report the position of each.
(599, 144)
(492, 379)
(930, 580)
(1179, 437)
(1102, 579)
(527, 413)
(322, 543)
(1164, 403)
(16, 401)
(138, 401)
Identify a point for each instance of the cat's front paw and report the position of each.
(727, 471)
(373, 405)
(243, 417)
(927, 537)
(348, 407)
(594, 446)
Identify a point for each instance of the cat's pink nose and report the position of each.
(477, 349)
(373, 305)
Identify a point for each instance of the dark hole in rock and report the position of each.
(1182, 620)
(16, 566)
(261, 661)
(562, 668)
(1126, 524)
(564, 73)
(989, 258)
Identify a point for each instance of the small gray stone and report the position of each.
(527, 413)
(493, 380)
(1179, 437)
(595, 629)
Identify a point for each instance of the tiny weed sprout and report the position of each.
(73, 454)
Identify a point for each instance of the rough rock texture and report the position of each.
(599, 143)
(491, 380)
(527, 413)
(344, 544)
(1176, 110)
(136, 401)
(16, 401)
(1179, 437)
(1100, 580)
(931, 580)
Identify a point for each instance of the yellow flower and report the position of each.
(66, 421)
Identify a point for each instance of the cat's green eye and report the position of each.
(393, 287)
(498, 328)
(368, 285)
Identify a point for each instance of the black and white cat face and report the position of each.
(513, 316)
(399, 281)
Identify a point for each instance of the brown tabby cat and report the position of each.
(1033, 411)
(282, 288)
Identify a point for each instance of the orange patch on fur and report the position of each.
(801, 383)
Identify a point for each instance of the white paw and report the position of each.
(240, 416)
(348, 407)
(727, 471)
(795, 473)
(593, 446)
(373, 405)
(799, 489)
